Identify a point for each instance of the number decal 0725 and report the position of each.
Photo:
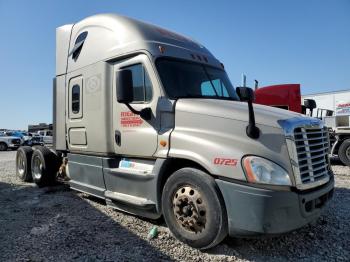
(225, 161)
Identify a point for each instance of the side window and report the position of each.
(141, 83)
(208, 90)
(76, 99)
(78, 45)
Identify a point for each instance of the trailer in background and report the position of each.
(334, 101)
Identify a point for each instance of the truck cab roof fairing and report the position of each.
(111, 35)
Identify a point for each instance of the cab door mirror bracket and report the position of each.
(125, 93)
(246, 94)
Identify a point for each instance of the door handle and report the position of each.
(117, 137)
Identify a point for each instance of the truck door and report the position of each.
(135, 136)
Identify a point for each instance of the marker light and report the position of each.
(262, 171)
(161, 49)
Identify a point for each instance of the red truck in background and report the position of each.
(285, 96)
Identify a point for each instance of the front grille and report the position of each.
(16, 141)
(312, 147)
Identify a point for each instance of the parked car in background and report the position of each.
(24, 136)
(46, 135)
(9, 142)
(36, 140)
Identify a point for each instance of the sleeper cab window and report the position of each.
(141, 82)
(76, 99)
(78, 45)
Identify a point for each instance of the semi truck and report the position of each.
(332, 108)
(147, 120)
(284, 96)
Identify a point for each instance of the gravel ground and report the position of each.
(59, 224)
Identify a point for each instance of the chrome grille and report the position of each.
(16, 141)
(312, 147)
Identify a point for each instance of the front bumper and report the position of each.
(13, 146)
(254, 211)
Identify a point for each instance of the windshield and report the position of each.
(183, 79)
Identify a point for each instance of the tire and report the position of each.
(193, 208)
(3, 146)
(344, 152)
(23, 163)
(44, 166)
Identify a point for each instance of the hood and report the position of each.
(236, 110)
(10, 137)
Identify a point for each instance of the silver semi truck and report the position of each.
(148, 120)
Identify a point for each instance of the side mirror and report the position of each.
(125, 92)
(245, 94)
(310, 104)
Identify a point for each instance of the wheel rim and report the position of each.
(190, 209)
(37, 167)
(347, 153)
(21, 164)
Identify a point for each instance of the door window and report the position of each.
(142, 86)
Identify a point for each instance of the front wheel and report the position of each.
(193, 208)
(3, 147)
(344, 152)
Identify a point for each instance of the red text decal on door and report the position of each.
(129, 119)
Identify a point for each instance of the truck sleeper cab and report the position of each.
(148, 120)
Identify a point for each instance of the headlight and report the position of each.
(263, 171)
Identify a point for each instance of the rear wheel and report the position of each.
(3, 146)
(44, 166)
(344, 152)
(23, 163)
(194, 209)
